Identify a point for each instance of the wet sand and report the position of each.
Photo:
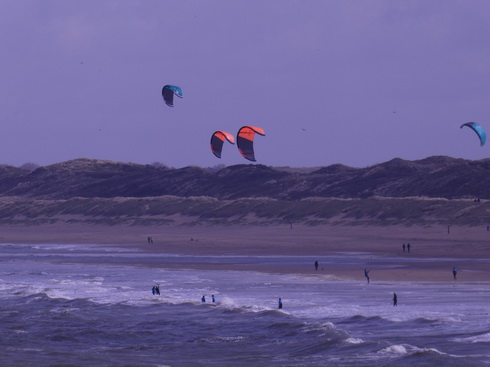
(432, 255)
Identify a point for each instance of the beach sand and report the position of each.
(433, 251)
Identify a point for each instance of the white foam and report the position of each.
(393, 349)
(483, 338)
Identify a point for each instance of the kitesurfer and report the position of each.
(366, 274)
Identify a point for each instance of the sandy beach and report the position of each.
(432, 255)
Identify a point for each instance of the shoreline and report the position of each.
(433, 251)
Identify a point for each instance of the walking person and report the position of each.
(395, 299)
(455, 272)
(366, 274)
(279, 304)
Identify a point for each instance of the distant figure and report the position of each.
(488, 228)
(403, 247)
(153, 290)
(366, 274)
(408, 247)
(280, 304)
(316, 265)
(395, 300)
(213, 299)
(203, 299)
(454, 273)
(157, 289)
(149, 240)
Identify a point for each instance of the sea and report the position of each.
(89, 305)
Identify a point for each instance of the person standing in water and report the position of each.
(316, 265)
(395, 300)
(366, 274)
(203, 299)
(279, 304)
(213, 299)
(454, 273)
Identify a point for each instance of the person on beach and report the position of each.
(213, 299)
(316, 265)
(454, 273)
(279, 304)
(149, 241)
(408, 247)
(153, 290)
(366, 274)
(403, 247)
(203, 299)
(395, 300)
(157, 289)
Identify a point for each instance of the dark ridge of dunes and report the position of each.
(433, 177)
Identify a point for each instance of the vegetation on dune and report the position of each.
(260, 211)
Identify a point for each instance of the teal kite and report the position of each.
(478, 129)
(168, 92)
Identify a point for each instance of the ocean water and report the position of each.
(57, 308)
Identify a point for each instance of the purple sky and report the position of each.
(368, 80)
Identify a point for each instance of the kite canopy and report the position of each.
(245, 141)
(217, 140)
(478, 129)
(168, 92)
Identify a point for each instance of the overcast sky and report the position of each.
(351, 82)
